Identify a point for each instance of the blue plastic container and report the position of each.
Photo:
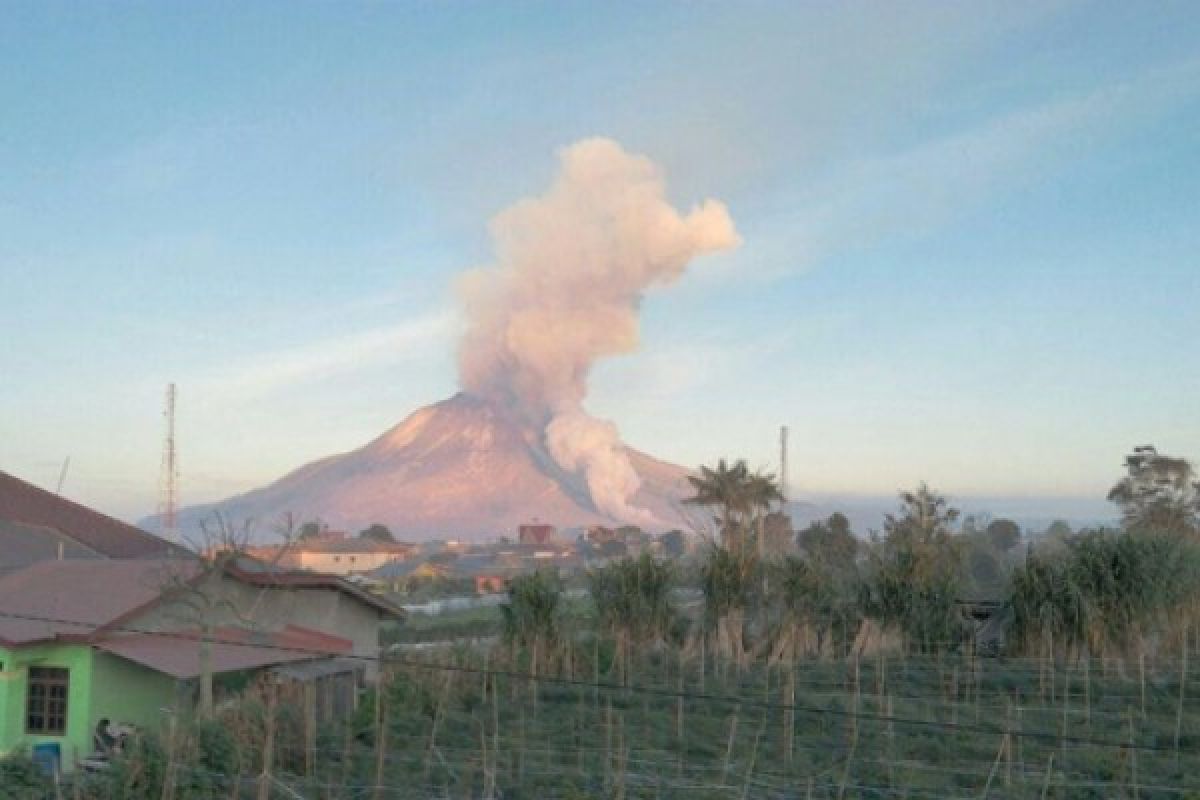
(48, 757)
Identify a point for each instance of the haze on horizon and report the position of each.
(968, 232)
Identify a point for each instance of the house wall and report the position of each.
(232, 602)
(76, 742)
(101, 686)
(130, 694)
(342, 563)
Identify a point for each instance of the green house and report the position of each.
(59, 692)
(82, 641)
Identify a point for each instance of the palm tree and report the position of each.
(741, 497)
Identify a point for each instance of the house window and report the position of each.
(46, 706)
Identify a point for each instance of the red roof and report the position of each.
(24, 502)
(233, 649)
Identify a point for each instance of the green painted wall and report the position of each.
(101, 685)
(128, 693)
(76, 658)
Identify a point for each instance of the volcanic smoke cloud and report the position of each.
(571, 267)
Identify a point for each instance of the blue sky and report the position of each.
(970, 231)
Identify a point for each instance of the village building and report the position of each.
(85, 640)
(101, 621)
(536, 534)
(335, 553)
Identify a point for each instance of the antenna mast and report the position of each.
(783, 465)
(168, 523)
(62, 476)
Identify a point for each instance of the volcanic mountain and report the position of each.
(461, 468)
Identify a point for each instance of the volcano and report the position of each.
(463, 468)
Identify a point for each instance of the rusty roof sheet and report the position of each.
(24, 502)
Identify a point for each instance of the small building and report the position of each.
(347, 556)
(536, 533)
(489, 575)
(400, 576)
(115, 639)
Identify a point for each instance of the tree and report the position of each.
(532, 614)
(1158, 493)
(1004, 534)
(310, 530)
(741, 497)
(378, 533)
(674, 543)
(830, 542)
(727, 579)
(1106, 591)
(633, 602)
(193, 586)
(916, 573)
(1059, 529)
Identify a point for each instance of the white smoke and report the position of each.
(571, 268)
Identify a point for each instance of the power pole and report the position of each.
(169, 501)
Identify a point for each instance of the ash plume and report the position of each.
(571, 266)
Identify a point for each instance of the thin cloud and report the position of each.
(268, 373)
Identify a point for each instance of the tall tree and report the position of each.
(532, 615)
(829, 542)
(1004, 534)
(1158, 493)
(741, 497)
(916, 572)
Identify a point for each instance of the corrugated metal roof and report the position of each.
(258, 573)
(233, 649)
(23, 544)
(24, 502)
(311, 670)
(90, 592)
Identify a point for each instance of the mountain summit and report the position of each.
(461, 468)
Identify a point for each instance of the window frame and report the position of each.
(45, 704)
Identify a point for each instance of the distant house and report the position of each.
(600, 535)
(536, 533)
(337, 554)
(399, 576)
(489, 575)
(82, 640)
(37, 525)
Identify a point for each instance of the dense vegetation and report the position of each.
(839, 667)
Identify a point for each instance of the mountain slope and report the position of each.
(461, 468)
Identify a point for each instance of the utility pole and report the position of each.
(169, 501)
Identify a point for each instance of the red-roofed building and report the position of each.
(536, 533)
